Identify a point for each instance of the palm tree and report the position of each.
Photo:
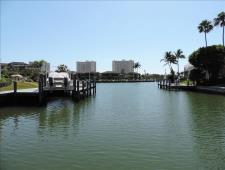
(205, 26)
(220, 20)
(169, 59)
(137, 65)
(178, 55)
(62, 68)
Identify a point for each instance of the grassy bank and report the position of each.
(20, 85)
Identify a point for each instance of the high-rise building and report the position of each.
(123, 66)
(86, 67)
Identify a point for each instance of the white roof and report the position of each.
(16, 75)
(58, 75)
(188, 67)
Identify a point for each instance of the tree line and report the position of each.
(208, 61)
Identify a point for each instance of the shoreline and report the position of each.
(210, 89)
(124, 81)
(220, 90)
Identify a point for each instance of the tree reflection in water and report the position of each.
(207, 120)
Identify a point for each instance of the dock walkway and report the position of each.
(167, 85)
(30, 90)
(206, 89)
(39, 96)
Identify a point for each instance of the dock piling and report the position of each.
(14, 86)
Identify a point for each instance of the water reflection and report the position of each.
(133, 126)
(207, 114)
(58, 115)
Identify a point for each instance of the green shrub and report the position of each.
(211, 60)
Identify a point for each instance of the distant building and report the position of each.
(45, 68)
(86, 67)
(187, 69)
(20, 67)
(17, 65)
(123, 66)
(4, 66)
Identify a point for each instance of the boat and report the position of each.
(59, 81)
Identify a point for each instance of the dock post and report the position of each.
(40, 89)
(95, 87)
(14, 92)
(169, 84)
(83, 92)
(74, 87)
(89, 88)
(14, 86)
(78, 90)
(45, 78)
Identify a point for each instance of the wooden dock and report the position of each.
(167, 85)
(38, 97)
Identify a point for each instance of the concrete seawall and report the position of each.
(211, 89)
(23, 99)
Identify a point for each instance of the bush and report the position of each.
(211, 60)
(196, 75)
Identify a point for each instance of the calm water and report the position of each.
(125, 126)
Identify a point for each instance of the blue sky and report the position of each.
(70, 31)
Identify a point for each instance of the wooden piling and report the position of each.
(41, 95)
(89, 88)
(74, 87)
(78, 90)
(83, 91)
(93, 87)
(14, 87)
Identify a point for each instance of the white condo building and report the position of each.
(123, 66)
(86, 66)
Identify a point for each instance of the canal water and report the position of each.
(124, 127)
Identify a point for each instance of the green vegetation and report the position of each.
(178, 55)
(220, 21)
(31, 73)
(208, 63)
(205, 26)
(170, 59)
(137, 65)
(20, 85)
(3, 79)
(62, 68)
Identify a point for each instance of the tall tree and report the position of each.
(210, 60)
(179, 55)
(220, 21)
(205, 26)
(169, 59)
(137, 65)
(62, 68)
